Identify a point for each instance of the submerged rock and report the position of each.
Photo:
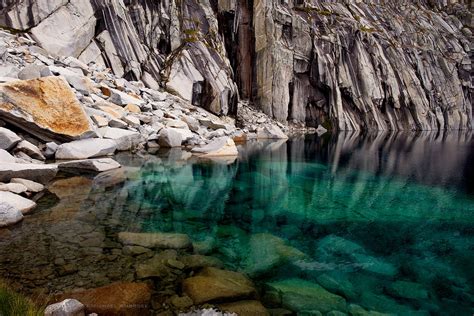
(115, 299)
(408, 290)
(213, 284)
(245, 308)
(156, 240)
(45, 107)
(301, 295)
(266, 252)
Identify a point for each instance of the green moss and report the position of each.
(15, 304)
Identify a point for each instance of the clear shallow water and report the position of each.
(384, 221)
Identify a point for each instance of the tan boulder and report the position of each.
(133, 108)
(245, 308)
(212, 284)
(45, 107)
(115, 299)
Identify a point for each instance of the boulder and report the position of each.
(8, 139)
(162, 265)
(212, 284)
(41, 173)
(5, 157)
(46, 108)
(31, 186)
(156, 240)
(266, 251)
(16, 188)
(223, 146)
(92, 165)
(9, 215)
(68, 307)
(408, 290)
(29, 149)
(132, 108)
(122, 99)
(192, 123)
(124, 298)
(18, 202)
(86, 148)
(125, 139)
(245, 308)
(34, 72)
(67, 39)
(301, 295)
(270, 132)
(169, 137)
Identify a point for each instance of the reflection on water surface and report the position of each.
(383, 221)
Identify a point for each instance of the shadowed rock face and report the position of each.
(348, 65)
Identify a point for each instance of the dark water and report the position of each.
(384, 221)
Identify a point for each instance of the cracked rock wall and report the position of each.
(347, 65)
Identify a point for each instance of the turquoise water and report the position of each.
(383, 223)
(386, 223)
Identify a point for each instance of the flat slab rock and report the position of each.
(86, 148)
(9, 215)
(212, 284)
(45, 107)
(30, 185)
(42, 173)
(156, 240)
(17, 201)
(93, 165)
(123, 298)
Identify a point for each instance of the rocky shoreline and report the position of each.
(61, 115)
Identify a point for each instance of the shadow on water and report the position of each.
(385, 221)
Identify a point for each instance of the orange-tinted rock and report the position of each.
(245, 308)
(45, 107)
(213, 284)
(122, 299)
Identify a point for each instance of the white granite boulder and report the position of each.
(86, 148)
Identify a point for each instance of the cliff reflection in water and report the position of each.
(363, 210)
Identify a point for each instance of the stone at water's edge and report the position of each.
(34, 172)
(86, 148)
(17, 201)
(68, 307)
(156, 240)
(93, 165)
(220, 147)
(125, 299)
(9, 215)
(212, 284)
(30, 185)
(271, 132)
(45, 107)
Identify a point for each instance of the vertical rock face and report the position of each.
(362, 65)
(347, 65)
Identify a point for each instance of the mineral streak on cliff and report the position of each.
(348, 65)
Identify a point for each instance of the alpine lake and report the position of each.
(342, 223)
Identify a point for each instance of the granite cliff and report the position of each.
(347, 65)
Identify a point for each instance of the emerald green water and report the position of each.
(385, 222)
(355, 224)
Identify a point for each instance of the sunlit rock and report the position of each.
(45, 107)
